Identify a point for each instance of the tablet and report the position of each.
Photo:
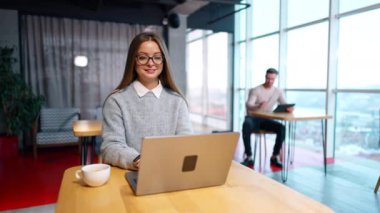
(283, 107)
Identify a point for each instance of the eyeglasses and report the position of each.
(144, 59)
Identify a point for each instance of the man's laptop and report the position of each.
(172, 163)
(283, 107)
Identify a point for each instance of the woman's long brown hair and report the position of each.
(130, 73)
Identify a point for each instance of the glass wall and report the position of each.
(358, 87)
(301, 11)
(350, 5)
(323, 53)
(265, 55)
(208, 71)
(359, 45)
(307, 57)
(357, 123)
(195, 64)
(308, 132)
(265, 10)
(217, 73)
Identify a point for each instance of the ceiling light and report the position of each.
(80, 61)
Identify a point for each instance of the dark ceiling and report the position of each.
(216, 15)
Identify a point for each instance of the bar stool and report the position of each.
(260, 137)
(87, 130)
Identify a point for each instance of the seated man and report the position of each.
(263, 98)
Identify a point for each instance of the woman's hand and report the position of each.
(136, 162)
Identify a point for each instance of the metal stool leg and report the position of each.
(93, 146)
(260, 164)
(82, 148)
(254, 151)
(377, 185)
(265, 150)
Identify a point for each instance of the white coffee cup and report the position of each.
(94, 174)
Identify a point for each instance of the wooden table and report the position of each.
(289, 120)
(245, 191)
(87, 130)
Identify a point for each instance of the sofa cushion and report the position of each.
(56, 137)
(58, 119)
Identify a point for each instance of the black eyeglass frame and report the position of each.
(149, 58)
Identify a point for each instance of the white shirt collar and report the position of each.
(142, 90)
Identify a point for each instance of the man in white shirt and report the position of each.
(263, 98)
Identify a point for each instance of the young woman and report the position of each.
(146, 103)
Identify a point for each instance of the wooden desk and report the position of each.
(87, 130)
(290, 116)
(245, 191)
(289, 120)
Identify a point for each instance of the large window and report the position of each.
(217, 70)
(304, 11)
(357, 123)
(358, 87)
(208, 69)
(359, 45)
(307, 57)
(328, 61)
(348, 5)
(308, 101)
(265, 10)
(265, 55)
(195, 70)
(308, 132)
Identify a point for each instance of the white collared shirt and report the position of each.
(142, 90)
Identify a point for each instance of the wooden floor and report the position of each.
(347, 187)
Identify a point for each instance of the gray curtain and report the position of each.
(49, 45)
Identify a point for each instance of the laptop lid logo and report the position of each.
(189, 163)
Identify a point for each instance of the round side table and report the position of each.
(87, 130)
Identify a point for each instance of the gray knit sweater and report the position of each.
(127, 118)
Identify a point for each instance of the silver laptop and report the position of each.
(172, 163)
